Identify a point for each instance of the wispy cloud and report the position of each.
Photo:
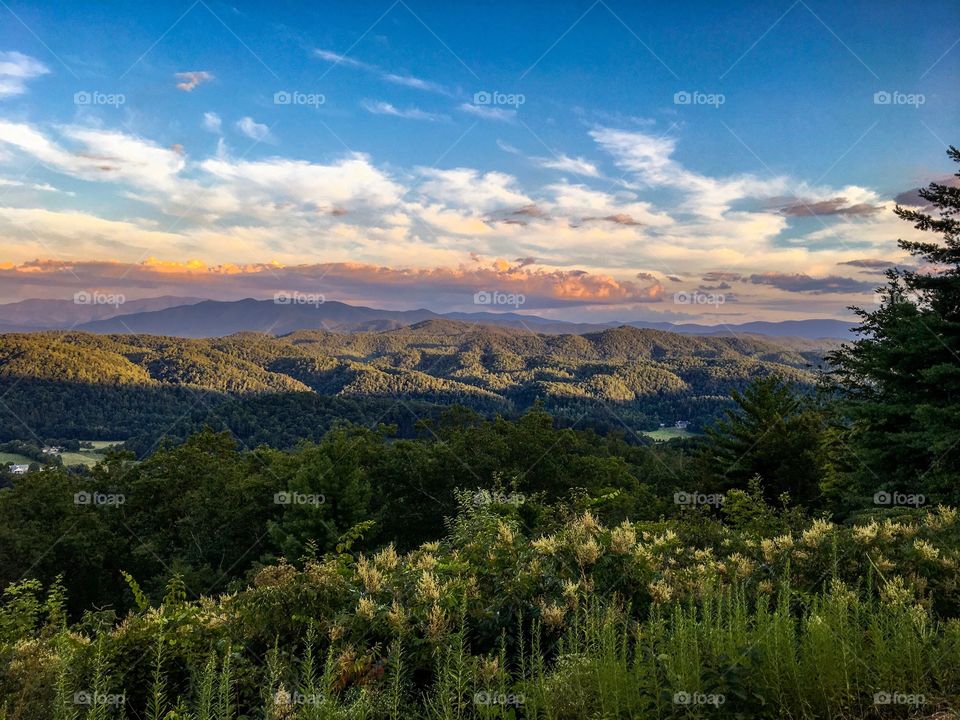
(490, 113)
(254, 130)
(16, 69)
(406, 80)
(565, 163)
(380, 107)
(212, 122)
(189, 80)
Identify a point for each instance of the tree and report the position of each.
(773, 433)
(902, 378)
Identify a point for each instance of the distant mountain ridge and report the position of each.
(197, 318)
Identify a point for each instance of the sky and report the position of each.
(591, 160)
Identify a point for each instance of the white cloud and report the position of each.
(490, 113)
(390, 77)
(473, 190)
(380, 107)
(16, 69)
(212, 122)
(254, 130)
(565, 163)
(189, 80)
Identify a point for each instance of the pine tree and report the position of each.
(902, 377)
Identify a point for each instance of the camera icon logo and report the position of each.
(882, 97)
(82, 98)
(482, 297)
(82, 498)
(882, 498)
(682, 98)
(282, 298)
(482, 98)
(282, 498)
(281, 97)
(681, 698)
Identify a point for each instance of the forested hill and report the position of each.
(118, 385)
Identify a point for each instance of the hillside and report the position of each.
(87, 385)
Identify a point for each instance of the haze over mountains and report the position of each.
(197, 318)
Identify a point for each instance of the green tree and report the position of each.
(773, 433)
(902, 378)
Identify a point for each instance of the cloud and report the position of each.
(565, 163)
(380, 107)
(618, 218)
(799, 207)
(467, 187)
(189, 80)
(15, 70)
(490, 113)
(406, 80)
(451, 287)
(801, 283)
(719, 276)
(212, 122)
(912, 197)
(254, 130)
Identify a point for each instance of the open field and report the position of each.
(669, 433)
(88, 456)
(14, 458)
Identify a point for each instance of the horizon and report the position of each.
(600, 162)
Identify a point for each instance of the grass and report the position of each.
(14, 458)
(87, 456)
(669, 433)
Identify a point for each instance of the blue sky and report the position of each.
(625, 144)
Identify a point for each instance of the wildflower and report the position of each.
(622, 539)
(815, 534)
(337, 631)
(941, 518)
(546, 545)
(571, 591)
(553, 615)
(436, 623)
(282, 705)
(366, 609)
(387, 558)
(489, 669)
(741, 566)
(369, 575)
(397, 616)
(660, 591)
(765, 586)
(589, 523)
(428, 589)
(865, 534)
(895, 592)
(505, 534)
(925, 549)
(587, 553)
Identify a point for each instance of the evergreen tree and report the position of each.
(902, 378)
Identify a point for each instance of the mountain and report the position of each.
(212, 318)
(30, 315)
(282, 388)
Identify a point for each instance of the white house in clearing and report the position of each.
(19, 469)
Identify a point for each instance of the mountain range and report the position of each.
(198, 318)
